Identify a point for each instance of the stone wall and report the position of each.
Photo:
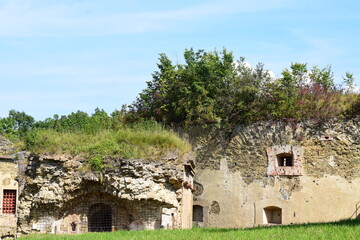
(240, 182)
(8, 174)
(237, 186)
(62, 195)
(79, 215)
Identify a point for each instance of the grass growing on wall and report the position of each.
(147, 140)
(346, 230)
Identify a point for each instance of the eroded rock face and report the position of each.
(6, 146)
(60, 194)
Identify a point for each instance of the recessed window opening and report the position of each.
(198, 213)
(9, 202)
(273, 215)
(285, 160)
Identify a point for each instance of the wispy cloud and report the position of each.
(26, 18)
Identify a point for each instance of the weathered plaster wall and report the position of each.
(8, 173)
(59, 193)
(232, 173)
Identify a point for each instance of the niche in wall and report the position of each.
(284, 160)
(272, 215)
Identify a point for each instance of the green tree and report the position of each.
(210, 87)
(23, 122)
(99, 120)
(245, 94)
(7, 126)
(349, 81)
(323, 77)
(189, 92)
(16, 125)
(285, 91)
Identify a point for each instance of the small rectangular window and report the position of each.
(285, 160)
(9, 202)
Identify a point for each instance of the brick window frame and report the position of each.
(278, 151)
(9, 202)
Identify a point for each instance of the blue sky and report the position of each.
(60, 56)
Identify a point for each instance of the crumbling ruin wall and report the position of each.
(6, 146)
(61, 195)
(235, 172)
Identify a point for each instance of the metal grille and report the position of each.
(9, 202)
(100, 219)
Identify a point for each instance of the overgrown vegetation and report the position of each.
(146, 140)
(211, 87)
(16, 125)
(96, 136)
(349, 229)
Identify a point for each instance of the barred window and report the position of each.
(9, 202)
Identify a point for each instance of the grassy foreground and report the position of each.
(349, 229)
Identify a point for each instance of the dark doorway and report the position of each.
(99, 218)
(198, 213)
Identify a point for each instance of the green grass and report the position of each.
(131, 142)
(348, 229)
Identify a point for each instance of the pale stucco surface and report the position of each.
(235, 171)
(8, 172)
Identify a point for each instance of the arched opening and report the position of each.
(99, 218)
(198, 213)
(272, 215)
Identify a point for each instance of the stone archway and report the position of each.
(100, 218)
